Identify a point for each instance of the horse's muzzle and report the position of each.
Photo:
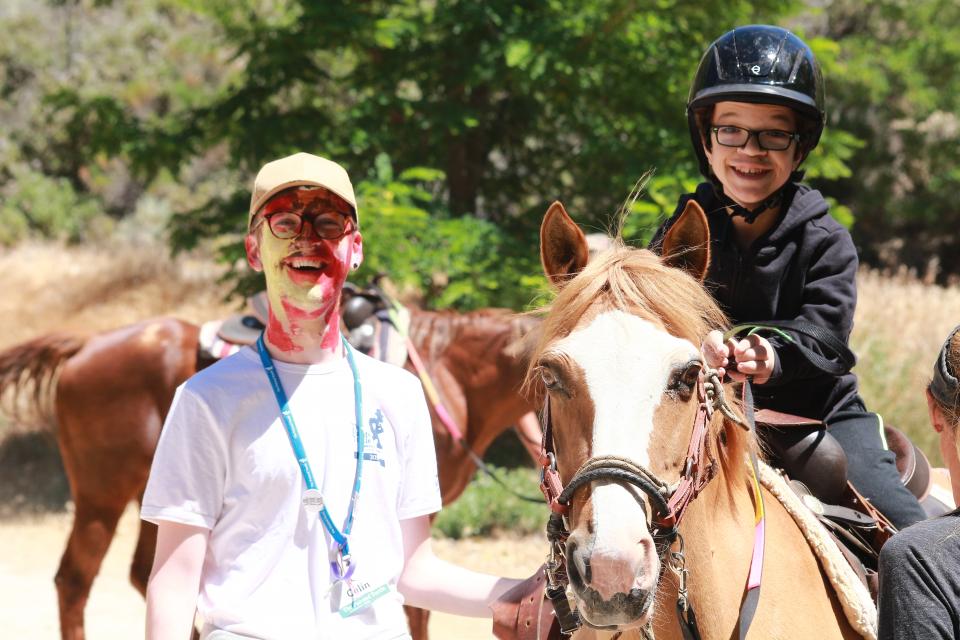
(622, 611)
(612, 590)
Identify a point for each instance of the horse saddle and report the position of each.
(374, 323)
(806, 451)
(371, 322)
(816, 466)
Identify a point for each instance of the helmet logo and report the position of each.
(755, 69)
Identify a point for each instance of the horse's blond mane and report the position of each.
(638, 281)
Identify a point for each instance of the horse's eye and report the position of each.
(691, 374)
(550, 380)
(684, 379)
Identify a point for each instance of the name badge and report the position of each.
(312, 500)
(361, 595)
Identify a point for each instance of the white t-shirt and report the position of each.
(224, 462)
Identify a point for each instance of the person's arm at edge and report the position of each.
(175, 580)
(913, 602)
(431, 583)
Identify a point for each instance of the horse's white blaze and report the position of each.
(626, 363)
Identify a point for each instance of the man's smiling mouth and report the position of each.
(306, 263)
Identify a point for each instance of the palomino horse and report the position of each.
(113, 391)
(621, 371)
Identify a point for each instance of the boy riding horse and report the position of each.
(755, 112)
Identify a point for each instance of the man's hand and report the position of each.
(752, 356)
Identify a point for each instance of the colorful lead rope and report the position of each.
(752, 598)
(343, 566)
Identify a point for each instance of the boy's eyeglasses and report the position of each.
(285, 225)
(768, 140)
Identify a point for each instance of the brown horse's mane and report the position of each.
(437, 330)
(638, 281)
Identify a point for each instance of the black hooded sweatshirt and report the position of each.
(803, 267)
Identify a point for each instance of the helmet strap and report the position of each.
(775, 199)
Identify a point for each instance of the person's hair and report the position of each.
(806, 127)
(951, 411)
(256, 221)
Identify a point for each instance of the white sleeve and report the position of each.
(187, 477)
(420, 486)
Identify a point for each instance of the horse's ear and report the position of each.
(686, 245)
(563, 247)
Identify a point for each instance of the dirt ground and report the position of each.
(31, 552)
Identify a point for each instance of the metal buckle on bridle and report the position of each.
(552, 466)
(556, 588)
(678, 565)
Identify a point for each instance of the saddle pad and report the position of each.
(211, 344)
(854, 598)
(240, 329)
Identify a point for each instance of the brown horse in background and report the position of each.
(109, 395)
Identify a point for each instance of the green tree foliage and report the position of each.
(893, 84)
(462, 263)
(79, 84)
(510, 105)
(516, 103)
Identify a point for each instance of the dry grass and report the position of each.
(85, 289)
(899, 327)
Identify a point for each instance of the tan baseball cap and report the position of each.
(301, 169)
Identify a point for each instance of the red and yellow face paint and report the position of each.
(305, 274)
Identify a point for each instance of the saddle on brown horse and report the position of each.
(368, 319)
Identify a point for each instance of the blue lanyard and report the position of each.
(343, 566)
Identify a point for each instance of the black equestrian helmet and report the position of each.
(760, 64)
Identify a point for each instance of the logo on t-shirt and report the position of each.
(373, 436)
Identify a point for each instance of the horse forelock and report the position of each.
(638, 282)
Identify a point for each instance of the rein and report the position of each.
(667, 503)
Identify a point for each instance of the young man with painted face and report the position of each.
(293, 482)
(755, 111)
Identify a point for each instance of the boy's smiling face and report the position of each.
(750, 174)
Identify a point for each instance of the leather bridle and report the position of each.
(667, 502)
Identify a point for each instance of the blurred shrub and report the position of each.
(40, 205)
(486, 507)
(459, 263)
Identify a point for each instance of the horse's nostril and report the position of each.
(578, 566)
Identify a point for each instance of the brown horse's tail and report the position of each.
(28, 373)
